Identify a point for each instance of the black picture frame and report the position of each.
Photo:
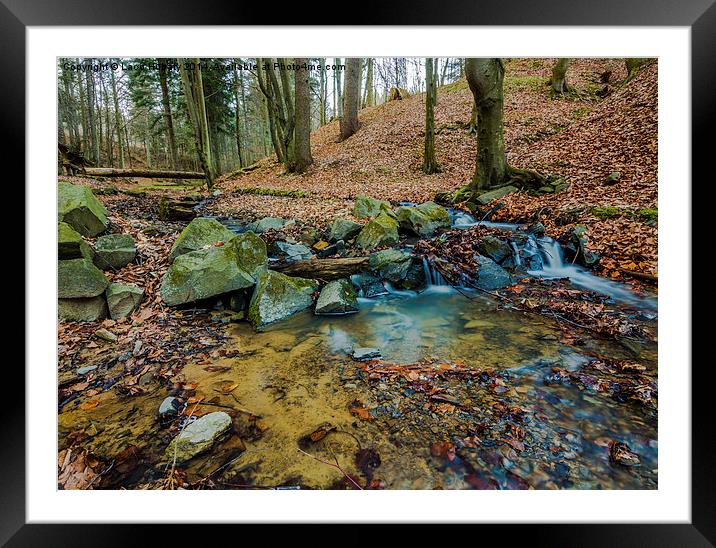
(699, 15)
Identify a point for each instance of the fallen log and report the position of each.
(150, 174)
(324, 269)
(640, 275)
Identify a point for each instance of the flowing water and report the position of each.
(293, 390)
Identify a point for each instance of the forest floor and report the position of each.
(107, 416)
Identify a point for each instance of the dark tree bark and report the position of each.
(485, 78)
(559, 75)
(430, 164)
(117, 119)
(302, 134)
(351, 98)
(369, 99)
(237, 94)
(190, 71)
(167, 108)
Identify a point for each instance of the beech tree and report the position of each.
(302, 134)
(351, 98)
(559, 75)
(485, 76)
(430, 164)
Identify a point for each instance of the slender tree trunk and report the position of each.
(238, 117)
(93, 141)
(351, 98)
(559, 75)
(194, 91)
(117, 119)
(430, 164)
(83, 108)
(107, 124)
(302, 133)
(338, 104)
(167, 108)
(369, 100)
(322, 93)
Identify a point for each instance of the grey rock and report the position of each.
(487, 197)
(344, 229)
(79, 278)
(198, 437)
(123, 299)
(365, 353)
(490, 275)
(169, 406)
(337, 297)
(390, 264)
(114, 251)
(82, 310)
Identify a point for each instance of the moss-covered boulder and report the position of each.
(423, 219)
(337, 297)
(123, 299)
(416, 278)
(487, 197)
(214, 271)
(270, 223)
(198, 437)
(344, 229)
(79, 278)
(575, 246)
(390, 264)
(82, 310)
(199, 234)
(494, 248)
(79, 208)
(381, 231)
(278, 296)
(114, 251)
(366, 207)
(70, 244)
(291, 252)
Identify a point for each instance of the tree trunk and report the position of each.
(194, 92)
(238, 117)
(337, 89)
(168, 119)
(117, 119)
(302, 134)
(322, 93)
(430, 164)
(351, 98)
(324, 269)
(559, 75)
(369, 94)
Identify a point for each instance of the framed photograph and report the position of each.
(404, 271)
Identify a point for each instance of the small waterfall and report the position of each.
(518, 259)
(432, 275)
(390, 288)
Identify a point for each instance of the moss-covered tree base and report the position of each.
(522, 179)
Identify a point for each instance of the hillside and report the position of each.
(581, 136)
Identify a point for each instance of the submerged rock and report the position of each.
(344, 229)
(198, 234)
(198, 436)
(79, 278)
(424, 219)
(209, 272)
(381, 231)
(487, 197)
(390, 264)
(366, 207)
(79, 207)
(114, 251)
(365, 353)
(270, 223)
(278, 296)
(70, 244)
(337, 297)
(82, 310)
(123, 299)
(490, 275)
(370, 286)
(169, 406)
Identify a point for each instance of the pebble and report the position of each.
(106, 334)
(86, 369)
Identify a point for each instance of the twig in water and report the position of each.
(336, 465)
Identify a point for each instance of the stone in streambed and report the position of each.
(381, 231)
(490, 275)
(79, 207)
(270, 223)
(70, 244)
(82, 310)
(169, 406)
(390, 264)
(214, 271)
(366, 207)
(277, 296)
(344, 229)
(114, 251)
(199, 234)
(424, 219)
(337, 297)
(365, 353)
(79, 278)
(494, 248)
(198, 437)
(123, 299)
(291, 252)
(486, 197)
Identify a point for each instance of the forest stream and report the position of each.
(452, 391)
